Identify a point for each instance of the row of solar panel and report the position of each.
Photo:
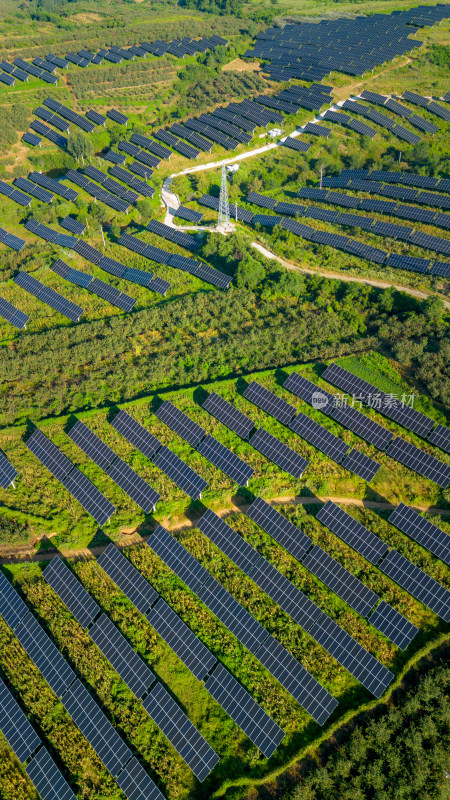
(352, 47)
(115, 268)
(371, 225)
(185, 264)
(344, 243)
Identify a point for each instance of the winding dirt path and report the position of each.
(347, 278)
(28, 555)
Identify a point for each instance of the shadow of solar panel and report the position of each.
(420, 462)
(180, 423)
(47, 779)
(270, 402)
(44, 654)
(133, 485)
(15, 727)
(293, 676)
(95, 727)
(375, 677)
(189, 649)
(228, 541)
(49, 455)
(8, 473)
(360, 464)
(222, 458)
(417, 583)
(340, 580)
(246, 713)
(279, 453)
(180, 473)
(12, 607)
(352, 532)
(363, 426)
(136, 434)
(422, 531)
(225, 412)
(91, 444)
(279, 528)
(129, 580)
(127, 663)
(440, 437)
(320, 437)
(394, 626)
(71, 592)
(180, 731)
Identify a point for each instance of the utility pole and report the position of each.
(223, 222)
(321, 176)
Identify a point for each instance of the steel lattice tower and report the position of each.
(224, 208)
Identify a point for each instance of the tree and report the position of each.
(250, 273)
(79, 146)
(433, 308)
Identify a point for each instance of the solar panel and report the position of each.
(189, 649)
(35, 191)
(71, 592)
(12, 607)
(270, 402)
(247, 714)
(340, 580)
(369, 394)
(225, 412)
(180, 423)
(222, 458)
(352, 532)
(95, 117)
(363, 426)
(129, 580)
(361, 465)
(8, 473)
(375, 677)
(398, 629)
(52, 458)
(47, 778)
(213, 276)
(127, 663)
(44, 654)
(136, 434)
(95, 727)
(180, 731)
(279, 528)
(92, 500)
(419, 461)
(13, 315)
(278, 452)
(228, 541)
(440, 437)
(15, 726)
(320, 437)
(133, 485)
(31, 138)
(73, 225)
(422, 531)
(180, 473)
(90, 443)
(48, 296)
(417, 583)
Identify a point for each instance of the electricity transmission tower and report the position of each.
(223, 222)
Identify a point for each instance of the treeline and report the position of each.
(200, 337)
(400, 752)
